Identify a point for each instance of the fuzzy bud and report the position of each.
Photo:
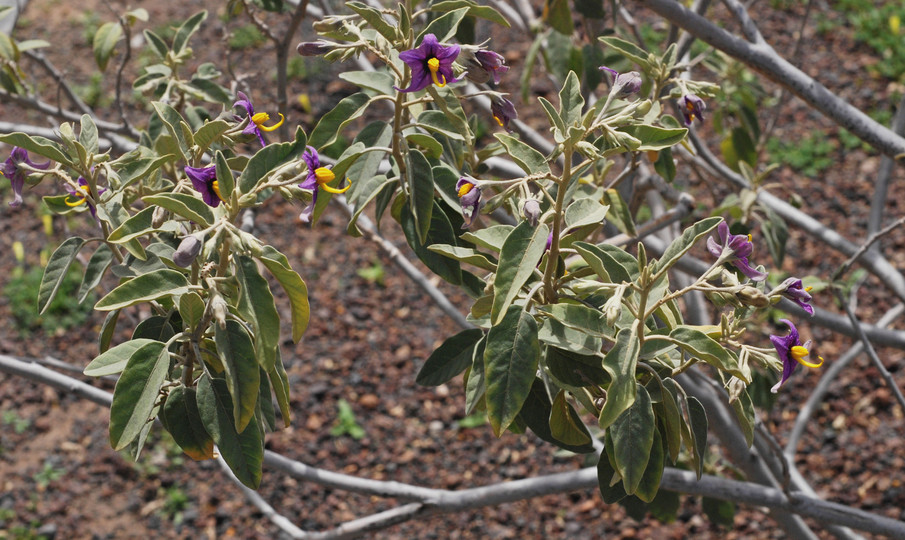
(158, 217)
(314, 48)
(187, 251)
(219, 309)
(751, 296)
(531, 211)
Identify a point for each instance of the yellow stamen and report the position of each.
(434, 66)
(325, 175)
(808, 289)
(81, 193)
(498, 121)
(261, 117)
(798, 353)
(749, 238)
(466, 187)
(215, 185)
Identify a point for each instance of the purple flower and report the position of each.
(735, 248)
(490, 64)
(792, 353)
(692, 107)
(204, 180)
(318, 176)
(12, 168)
(793, 289)
(314, 48)
(255, 121)
(624, 84)
(503, 111)
(430, 62)
(82, 196)
(469, 193)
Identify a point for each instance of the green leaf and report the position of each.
(744, 411)
(530, 60)
(438, 122)
(530, 160)
(776, 233)
(243, 452)
(449, 359)
(295, 288)
(554, 333)
(697, 420)
(466, 255)
(444, 26)
(565, 424)
(621, 215)
(620, 362)
(603, 260)
(559, 16)
(585, 211)
(267, 159)
(191, 309)
(144, 288)
(440, 232)
(138, 225)
(370, 188)
(279, 381)
(629, 50)
(184, 205)
(653, 473)
(114, 360)
(719, 511)
(331, 124)
(257, 306)
(105, 40)
(421, 188)
(107, 331)
(39, 145)
(185, 31)
(536, 413)
(666, 165)
(225, 181)
(633, 436)
(608, 480)
(701, 346)
(570, 100)
(665, 506)
(655, 138)
(171, 120)
(180, 416)
(56, 270)
(208, 134)
(474, 10)
(378, 81)
(575, 369)
(243, 379)
(157, 44)
(375, 19)
(156, 328)
(491, 237)
(559, 125)
(587, 320)
(475, 386)
(510, 362)
(94, 272)
(668, 411)
(519, 256)
(684, 242)
(88, 134)
(136, 392)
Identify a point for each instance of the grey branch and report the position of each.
(429, 501)
(764, 59)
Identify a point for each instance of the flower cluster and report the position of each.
(255, 120)
(318, 177)
(430, 62)
(735, 250)
(17, 168)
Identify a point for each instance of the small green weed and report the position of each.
(48, 474)
(64, 312)
(174, 504)
(477, 419)
(373, 273)
(246, 37)
(880, 28)
(346, 423)
(19, 424)
(810, 156)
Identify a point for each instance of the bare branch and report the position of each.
(764, 59)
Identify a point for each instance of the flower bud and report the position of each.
(751, 296)
(531, 211)
(158, 217)
(187, 251)
(219, 309)
(314, 48)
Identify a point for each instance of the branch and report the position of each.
(764, 59)
(816, 396)
(444, 501)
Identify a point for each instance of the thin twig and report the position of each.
(842, 270)
(884, 174)
(871, 353)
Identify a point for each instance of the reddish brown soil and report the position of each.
(366, 343)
